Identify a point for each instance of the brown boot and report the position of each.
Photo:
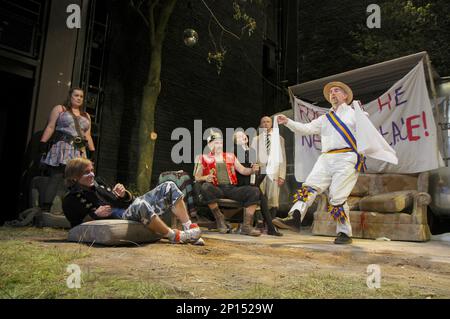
(220, 220)
(247, 226)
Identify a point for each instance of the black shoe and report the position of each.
(274, 232)
(287, 223)
(260, 226)
(342, 239)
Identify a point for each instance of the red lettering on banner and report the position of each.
(410, 127)
(424, 118)
(381, 105)
(412, 124)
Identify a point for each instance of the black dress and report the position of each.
(245, 180)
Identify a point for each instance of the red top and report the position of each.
(209, 163)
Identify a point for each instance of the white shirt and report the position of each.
(259, 145)
(331, 139)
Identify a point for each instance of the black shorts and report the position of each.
(246, 195)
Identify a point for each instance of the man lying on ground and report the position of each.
(88, 196)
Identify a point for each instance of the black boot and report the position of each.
(274, 232)
(273, 212)
(343, 239)
(267, 214)
(287, 223)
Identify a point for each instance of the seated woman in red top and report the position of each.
(217, 172)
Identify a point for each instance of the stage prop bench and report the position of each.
(383, 205)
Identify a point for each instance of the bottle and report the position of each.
(253, 176)
(253, 179)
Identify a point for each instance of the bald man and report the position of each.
(262, 144)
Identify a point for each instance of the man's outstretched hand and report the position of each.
(282, 119)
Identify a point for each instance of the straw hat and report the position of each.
(345, 87)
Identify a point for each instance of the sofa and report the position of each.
(392, 206)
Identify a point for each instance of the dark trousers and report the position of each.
(55, 184)
(265, 211)
(246, 195)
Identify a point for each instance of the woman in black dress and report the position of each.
(245, 154)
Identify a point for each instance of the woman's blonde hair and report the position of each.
(74, 170)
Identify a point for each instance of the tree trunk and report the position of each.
(150, 95)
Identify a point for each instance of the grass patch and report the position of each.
(331, 286)
(29, 269)
(11, 233)
(33, 264)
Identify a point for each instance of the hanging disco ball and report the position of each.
(190, 37)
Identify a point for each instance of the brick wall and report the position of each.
(191, 88)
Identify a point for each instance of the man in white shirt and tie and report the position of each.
(262, 144)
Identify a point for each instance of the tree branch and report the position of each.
(151, 13)
(165, 14)
(211, 35)
(138, 10)
(218, 22)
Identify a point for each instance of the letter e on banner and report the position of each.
(410, 127)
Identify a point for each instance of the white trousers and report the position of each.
(337, 174)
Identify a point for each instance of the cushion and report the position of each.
(113, 232)
(353, 202)
(394, 202)
(53, 220)
(387, 183)
(362, 186)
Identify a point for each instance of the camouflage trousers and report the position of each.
(157, 202)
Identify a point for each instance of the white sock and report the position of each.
(187, 224)
(171, 235)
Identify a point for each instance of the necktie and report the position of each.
(268, 143)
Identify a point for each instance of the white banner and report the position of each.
(307, 148)
(403, 116)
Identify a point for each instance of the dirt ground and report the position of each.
(296, 265)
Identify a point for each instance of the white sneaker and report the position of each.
(199, 242)
(194, 233)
